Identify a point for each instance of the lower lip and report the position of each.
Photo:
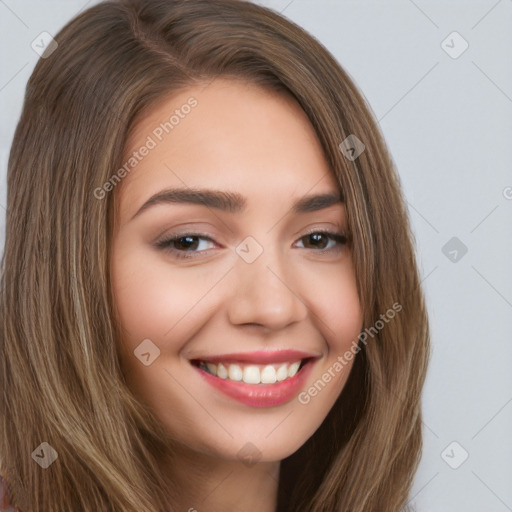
(261, 395)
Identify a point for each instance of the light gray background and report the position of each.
(448, 124)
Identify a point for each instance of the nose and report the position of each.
(265, 293)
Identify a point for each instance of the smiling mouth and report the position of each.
(250, 373)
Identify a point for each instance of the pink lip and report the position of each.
(261, 395)
(259, 357)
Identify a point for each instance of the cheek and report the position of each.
(151, 299)
(339, 319)
(152, 303)
(338, 308)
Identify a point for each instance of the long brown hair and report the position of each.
(60, 375)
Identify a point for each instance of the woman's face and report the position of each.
(250, 287)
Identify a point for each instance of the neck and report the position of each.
(209, 484)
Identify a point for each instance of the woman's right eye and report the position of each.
(185, 245)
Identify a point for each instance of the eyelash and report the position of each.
(166, 244)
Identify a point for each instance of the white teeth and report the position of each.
(212, 368)
(221, 371)
(235, 372)
(253, 374)
(282, 372)
(268, 375)
(294, 368)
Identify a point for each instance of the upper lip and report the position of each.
(258, 357)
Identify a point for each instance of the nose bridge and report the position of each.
(264, 291)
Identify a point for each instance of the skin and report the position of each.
(297, 294)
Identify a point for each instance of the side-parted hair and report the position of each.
(60, 375)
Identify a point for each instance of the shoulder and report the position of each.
(5, 504)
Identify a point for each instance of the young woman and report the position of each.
(209, 294)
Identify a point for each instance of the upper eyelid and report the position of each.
(198, 232)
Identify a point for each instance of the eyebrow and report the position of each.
(232, 202)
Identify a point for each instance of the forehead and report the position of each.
(225, 135)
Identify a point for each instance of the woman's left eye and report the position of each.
(324, 240)
(187, 245)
